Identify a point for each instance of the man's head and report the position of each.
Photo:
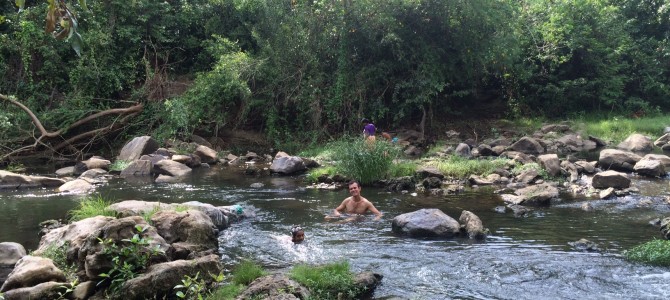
(354, 188)
(297, 234)
(365, 121)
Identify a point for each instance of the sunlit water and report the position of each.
(523, 258)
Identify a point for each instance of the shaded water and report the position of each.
(523, 258)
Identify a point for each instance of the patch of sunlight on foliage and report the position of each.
(364, 161)
(91, 206)
(459, 167)
(314, 174)
(226, 292)
(656, 252)
(119, 165)
(326, 281)
(246, 272)
(402, 168)
(615, 130)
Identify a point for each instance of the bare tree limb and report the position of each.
(46, 138)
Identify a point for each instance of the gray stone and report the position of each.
(9, 180)
(551, 163)
(138, 168)
(636, 143)
(76, 186)
(527, 145)
(288, 165)
(426, 223)
(137, 147)
(30, 271)
(650, 167)
(540, 194)
(171, 168)
(472, 225)
(207, 155)
(618, 160)
(611, 179)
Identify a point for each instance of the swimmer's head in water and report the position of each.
(298, 235)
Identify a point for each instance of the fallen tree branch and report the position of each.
(46, 135)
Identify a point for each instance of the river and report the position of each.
(523, 258)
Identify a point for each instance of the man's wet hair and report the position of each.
(354, 181)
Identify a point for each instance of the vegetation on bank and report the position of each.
(655, 252)
(209, 66)
(330, 281)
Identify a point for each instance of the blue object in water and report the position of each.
(394, 140)
(238, 209)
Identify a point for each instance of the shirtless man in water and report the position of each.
(356, 204)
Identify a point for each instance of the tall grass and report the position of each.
(617, 129)
(246, 272)
(459, 167)
(656, 252)
(325, 282)
(314, 174)
(402, 168)
(363, 161)
(91, 206)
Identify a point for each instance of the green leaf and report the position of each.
(180, 294)
(82, 3)
(20, 4)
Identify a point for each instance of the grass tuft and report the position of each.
(655, 252)
(119, 165)
(226, 292)
(327, 281)
(246, 272)
(91, 206)
(365, 162)
(459, 167)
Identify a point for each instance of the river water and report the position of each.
(523, 258)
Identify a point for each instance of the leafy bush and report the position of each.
(656, 252)
(327, 281)
(364, 161)
(246, 272)
(129, 258)
(194, 288)
(119, 165)
(92, 206)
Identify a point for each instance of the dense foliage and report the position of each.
(307, 69)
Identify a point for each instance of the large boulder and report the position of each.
(536, 195)
(171, 168)
(618, 160)
(274, 286)
(664, 159)
(138, 168)
(159, 280)
(426, 223)
(81, 185)
(91, 259)
(472, 225)
(94, 162)
(551, 164)
(72, 236)
(190, 232)
(45, 290)
(30, 271)
(575, 143)
(463, 150)
(207, 155)
(528, 145)
(288, 165)
(610, 179)
(648, 166)
(636, 143)
(137, 147)
(10, 253)
(9, 180)
(665, 228)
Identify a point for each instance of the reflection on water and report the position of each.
(523, 258)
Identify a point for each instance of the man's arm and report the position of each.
(374, 210)
(342, 207)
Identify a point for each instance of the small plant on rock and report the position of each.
(128, 259)
(119, 165)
